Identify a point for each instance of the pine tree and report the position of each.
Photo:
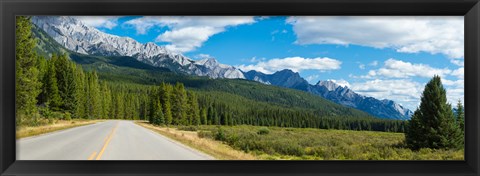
(433, 123)
(193, 109)
(165, 99)
(460, 116)
(203, 116)
(79, 111)
(106, 101)
(65, 74)
(93, 96)
(153, 104)
(42, 69)
(158, 117)
(461, 119)
(179, 105)
(50, 88)
(27, 82)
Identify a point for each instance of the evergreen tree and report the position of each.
(179, 105)
(93, 96)
(165, 98)
(27, 82)
(80, 93)
(461, 116)
(50, 87)
(193, 112)
(153, 104)
(461, 119)
(203, 116)
(42, 69)
(158, 117)
(65, 73)
(106, 101)
(433, 123)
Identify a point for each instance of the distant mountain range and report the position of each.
(77, 37)
(334, 92)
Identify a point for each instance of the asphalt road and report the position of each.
(110, 140)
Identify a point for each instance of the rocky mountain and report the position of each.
(77, 37)
(334, 92)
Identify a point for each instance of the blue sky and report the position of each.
(384, 57)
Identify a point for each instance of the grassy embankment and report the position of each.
(273, 143)
(190, 138)
(27, 131)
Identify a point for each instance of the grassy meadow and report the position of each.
(275, 143)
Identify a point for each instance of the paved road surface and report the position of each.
(110, 140)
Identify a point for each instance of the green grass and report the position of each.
(318, 144)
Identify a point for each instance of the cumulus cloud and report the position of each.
(187, 33)
(295, 64)
(444, 35)
(403, 91)
(374, 63)
(108, 22)
(399, 69)
(459, 73)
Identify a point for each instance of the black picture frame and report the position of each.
(470, 9)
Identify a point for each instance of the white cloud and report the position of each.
(203, 56)
(374, 63)
(340, 82)
(403, 91)
(458, 62)
(459, 73)
(108, 22)
(312, 79)
(187, 33)
(434, 35)
(361, 66)
(399, 69)
(295, 64)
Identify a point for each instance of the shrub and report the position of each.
(68, 116)
(188, 128)
(205, 134)
(220, 134)
(263, 131)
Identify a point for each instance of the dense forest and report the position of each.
(66, 86)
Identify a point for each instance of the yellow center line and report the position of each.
(109, 137)
(92, 156)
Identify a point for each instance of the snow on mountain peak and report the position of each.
(74, 35)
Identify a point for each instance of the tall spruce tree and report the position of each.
(193, 112)
(50, 88)
(65, 73)
(461, 119)
(433, 123)
(27, 82)
(81, 93)
(179, 105)
(460, 116)
(165, 99)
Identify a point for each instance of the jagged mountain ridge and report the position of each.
(75, 36)
(333, 92)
